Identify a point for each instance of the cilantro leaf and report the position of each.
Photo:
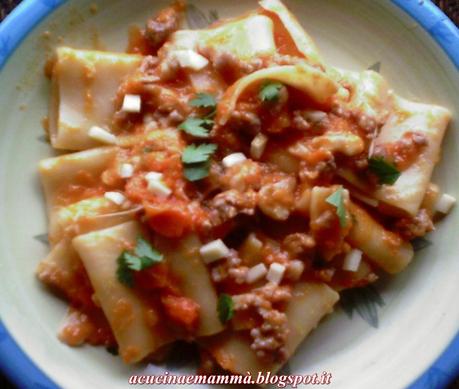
(386, 172)
(204, 100)
(270, 91)
(196, 161)
(196, 171)
(143, 257)
(225, 307)
(197, 127)
(196, 154)
(336, 199)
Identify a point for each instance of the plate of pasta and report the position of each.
(231, 193)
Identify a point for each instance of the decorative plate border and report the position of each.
(29, 13)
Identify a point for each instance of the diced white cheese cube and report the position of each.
(156, 185)
(132, 104)
(115, 197)
(159, 188)
(153, 176)
(213, 251)
(190, 59)
(295, 269)
(233, 159)
(102, 135)
(445, 203)
(126, 170)
(352, 260)
(256, 272)
(275, 273)
(258, 145)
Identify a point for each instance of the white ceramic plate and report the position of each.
(421, 314)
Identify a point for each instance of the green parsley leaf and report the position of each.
(225, 307)
(197, 127)
(147, 253)
(196, 171)
(204, 100)
(132, 262)
(144, 256)
(197, 154)
(196, 161)
(336, 199)
(386, 172)
(270, 91)
(124, 273)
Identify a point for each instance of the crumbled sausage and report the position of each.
(238, 274)
(227, 205)
(268, 338)
(276, 200)
(273, 253)
(298, 244)
(311, 172)
(160, 27)
(165, 100)
(306, 120)
(299, 122)
(403, 151)
(230, 67)
(147, 68)
(243, 176)
(365, 122)
(245, 118)
(414, 227)
(230, 268)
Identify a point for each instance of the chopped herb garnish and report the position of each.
(147, 149)
(146, 251)
(385, 171)
(204, 100)
(225, 307)
(196, 154)
(336, 199)
(131, 261)
(123, 273)
(196, 171)
(143, 257)
(196, 161)
(270, 91)
(197, 127)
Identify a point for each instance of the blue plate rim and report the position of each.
(28, 14)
